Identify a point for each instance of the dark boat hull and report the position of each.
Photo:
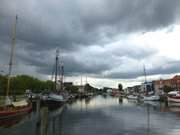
(10, 112)
(51, 104)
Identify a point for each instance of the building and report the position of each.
(147, 87)
(173, 83)
(115, 92)
(68, 84)
(133, 90)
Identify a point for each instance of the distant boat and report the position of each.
(151, 98)
(133, 97)
(12, 109)
(174, 96)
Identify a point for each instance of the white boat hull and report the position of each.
(151, 98)
(132, 97)
(174, 96)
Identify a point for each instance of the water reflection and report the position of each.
(10, 122)
(95, 102)
(148, 119)
(107, 115)
(104, 115)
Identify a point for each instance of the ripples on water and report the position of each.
(105, 116)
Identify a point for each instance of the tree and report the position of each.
(120, 87)
(167, 89)
(3, 84)
(20, 83)
(72, 89)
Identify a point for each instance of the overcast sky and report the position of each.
(107, 40)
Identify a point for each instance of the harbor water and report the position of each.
(101, 115)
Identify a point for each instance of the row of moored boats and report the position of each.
(173, 96)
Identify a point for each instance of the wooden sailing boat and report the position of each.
(13, 109)
(56, 98)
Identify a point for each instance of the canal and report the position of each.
(101, 115)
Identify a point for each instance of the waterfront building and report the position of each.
(147, 87)
(68, 84)
(115, 92)
(173, 83)
(133, 90)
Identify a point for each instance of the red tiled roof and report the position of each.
(167, 81)
(177, 77)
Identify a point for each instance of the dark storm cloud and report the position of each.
(133, 51)
(127, 75)
(78, 67)
(69, 25)
(169, 68)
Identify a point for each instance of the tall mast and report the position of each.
(86, 79)
(81, 81)
(145, 73)
(11, 58)
(62, 75)
(56, 68)
(145, 83)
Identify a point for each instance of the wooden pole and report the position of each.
(7, 101)
(56, 68)
(44, 121)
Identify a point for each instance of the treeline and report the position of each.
(74, 89)
(20, 83)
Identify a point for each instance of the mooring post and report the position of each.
(166, 101)
(38, 123)
(44, 120)
(38, 108)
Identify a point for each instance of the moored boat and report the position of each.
(16, 109)
(133, 97)
(11, 109)
(53, 100)
(151, 98)
(53, 97)
(57, 96)
(174, 96)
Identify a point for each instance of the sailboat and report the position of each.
(55, 97)
(148, 96)
(13, 109)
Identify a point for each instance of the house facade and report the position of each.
(173, 83)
